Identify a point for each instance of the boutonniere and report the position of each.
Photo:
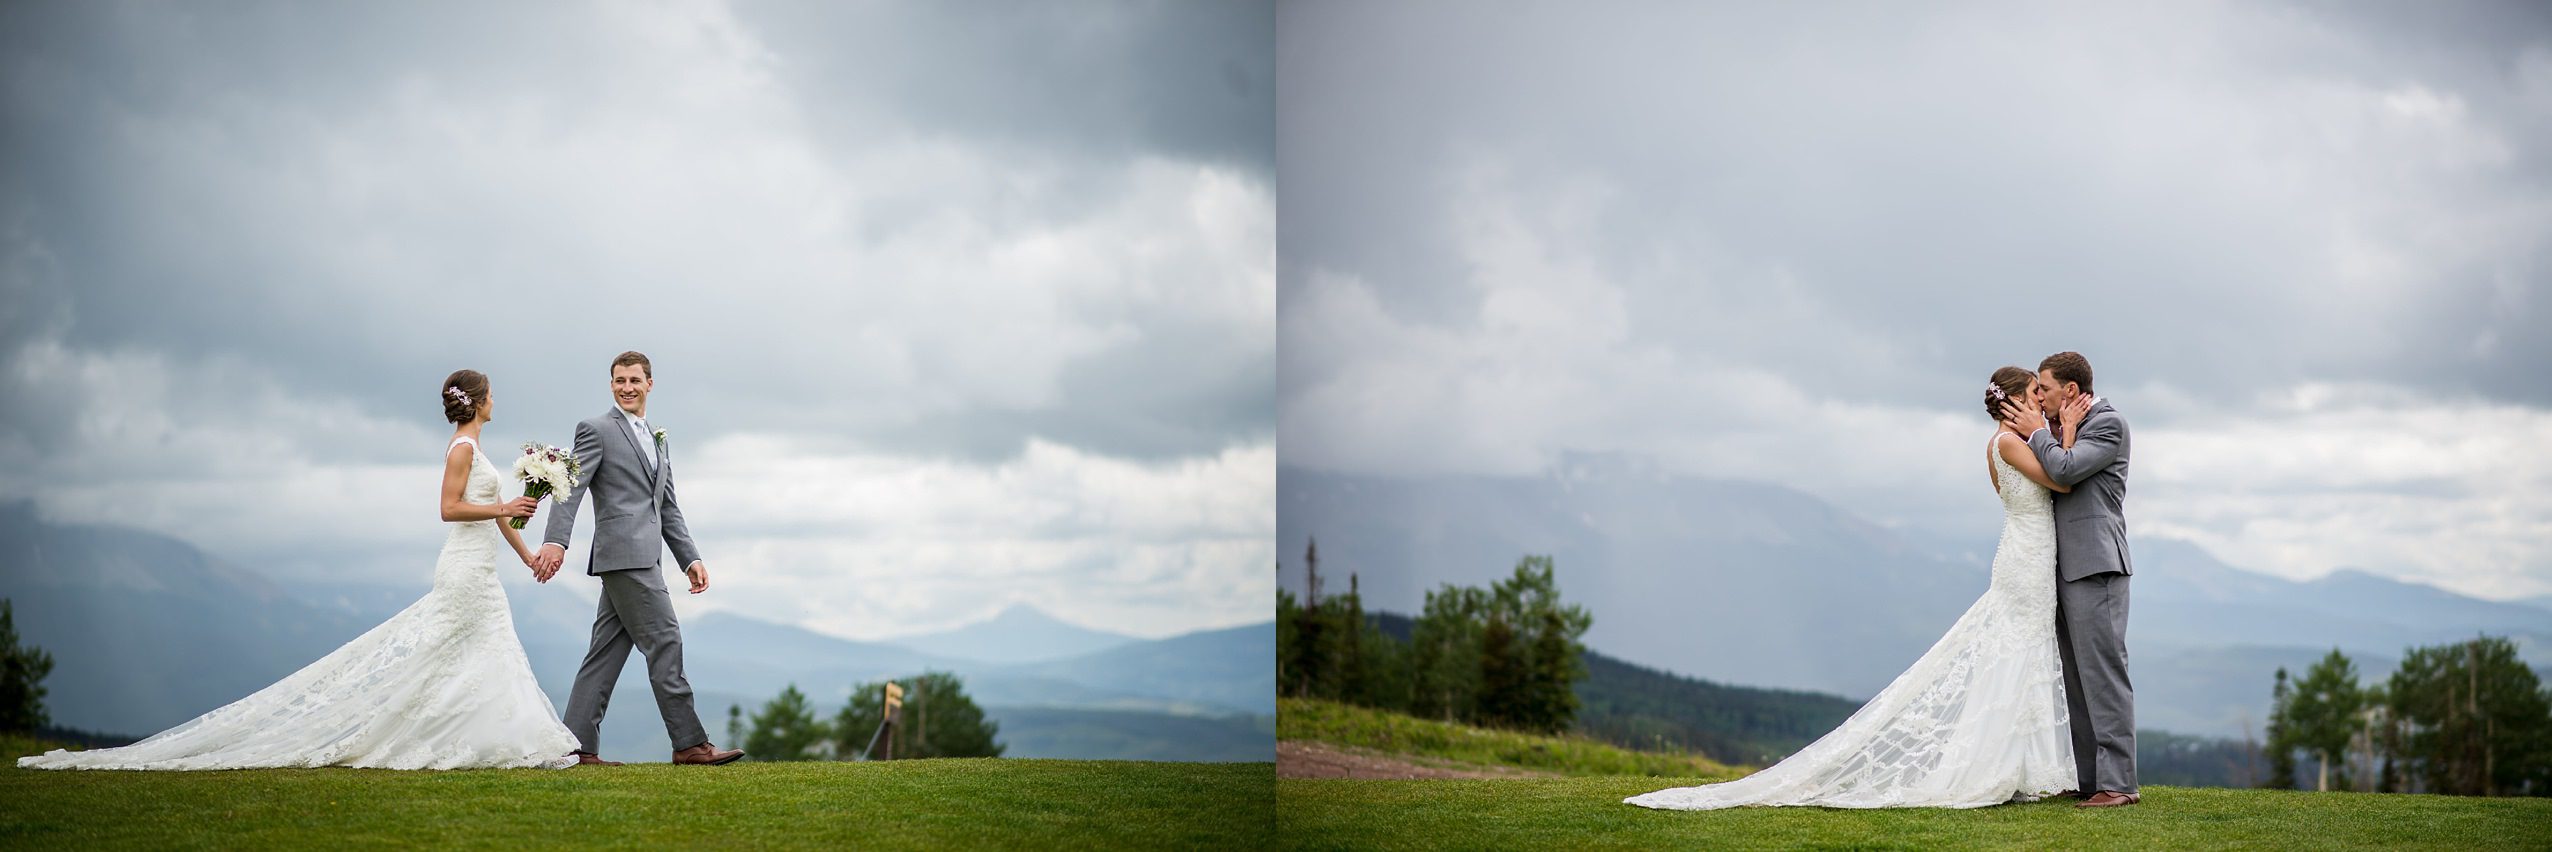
(660, 437)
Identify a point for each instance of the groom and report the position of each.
(626, 468)
(2092, 563)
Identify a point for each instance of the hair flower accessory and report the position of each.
(1995, 391)
(457, 394)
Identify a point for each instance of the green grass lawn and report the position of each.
(1378, 730)
(1586, 813)
(947, 804)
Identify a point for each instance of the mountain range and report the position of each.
(1761, 585)
(147, 631)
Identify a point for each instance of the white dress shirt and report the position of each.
(646, 439)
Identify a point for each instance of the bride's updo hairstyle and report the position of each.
(463, 392)
(2008, 383)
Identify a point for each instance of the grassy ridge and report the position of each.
(1586, 813)
(900, 804)
(1348, 725)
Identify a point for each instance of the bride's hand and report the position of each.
(519, 507)
(2075, 410)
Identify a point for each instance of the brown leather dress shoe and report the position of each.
(706, 754)
(2110, 799)
(2071, 794)
(583, 759)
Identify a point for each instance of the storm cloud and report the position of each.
(940, 296)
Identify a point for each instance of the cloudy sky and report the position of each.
(2303, 245)
(952, 305)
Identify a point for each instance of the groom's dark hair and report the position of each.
(2069, 367)
(635, 357)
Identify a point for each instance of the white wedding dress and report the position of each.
(1978, 720)
(442, 685)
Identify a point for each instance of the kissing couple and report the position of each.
(2027, 695)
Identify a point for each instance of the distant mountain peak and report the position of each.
(1022, 612)
(1020, 632)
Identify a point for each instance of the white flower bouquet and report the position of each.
(545, 470)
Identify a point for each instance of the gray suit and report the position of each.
(2091, 600)
(634, 509)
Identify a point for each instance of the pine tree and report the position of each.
(1312, 636)
(2281, 741)
(2323, 715)
(22, 673)
(2476, 720)
(940, 719)
(786, 730)
(1444, 654)
(1289, 670)
(1502, 675)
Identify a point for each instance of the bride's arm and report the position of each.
(2021, 457)
(514, 539)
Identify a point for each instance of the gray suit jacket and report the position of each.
(2091, 522)
(634, 506)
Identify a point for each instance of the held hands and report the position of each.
(545, 563)
(699, 574)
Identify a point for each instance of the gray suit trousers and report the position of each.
(2091, 635)
(635, 612)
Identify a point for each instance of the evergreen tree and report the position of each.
(1557, 667)
(786, 730)
(2322, 715)
(1289, 670)
(1445, 654)
(22, 673)
(2281, 742)
(2476, 720)
(1347, 622)
(1312, 635)
(1549, 659)
(1385, 671)
(940, 719)
(1502, 675)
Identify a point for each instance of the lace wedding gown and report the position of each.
(442, 685)
(1978, 720)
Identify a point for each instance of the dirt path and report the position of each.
(1308, 759)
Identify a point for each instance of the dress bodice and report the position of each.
(2025, 559)
(2021, 496)
(482, 485)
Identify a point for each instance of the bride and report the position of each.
(1978, 720)
(442, 685)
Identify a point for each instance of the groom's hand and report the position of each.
(545, 563)
(2024, 419)
(699, 574)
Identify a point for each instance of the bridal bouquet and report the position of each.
(545, 470)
